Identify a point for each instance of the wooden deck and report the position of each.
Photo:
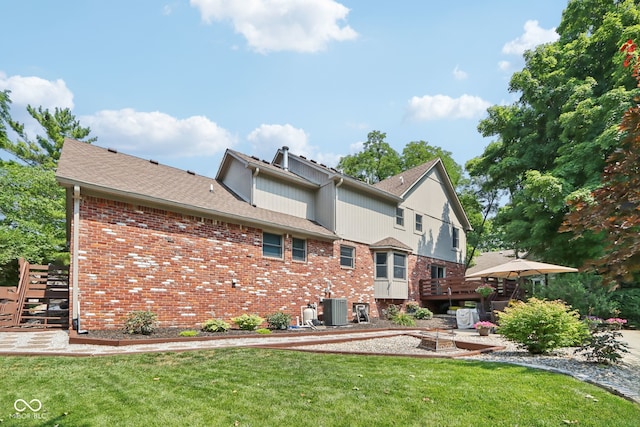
(438, 293)
(40, 301)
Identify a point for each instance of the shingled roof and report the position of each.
(112, 173)
(401, 183)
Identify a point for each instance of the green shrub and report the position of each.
(403, 319)
(189, 333)
(584, 292)
(248, 322)
(141, 322)
(541, 326)
(423, 314)
(263, 331)
(628, 300)
(215, 325)
(279, 320)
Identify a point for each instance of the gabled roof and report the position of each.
(403, 182)
(400, 184)
(112, 173)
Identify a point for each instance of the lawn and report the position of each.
(258, 387)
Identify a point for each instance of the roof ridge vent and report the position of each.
(155, 162)
(191, 172)
(112, 150)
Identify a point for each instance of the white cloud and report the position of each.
(504, 65)
(458, 74)
(533, 36)
(37, 92)
(141, 133)
(279, 25)
(444, 107)
(268, 138)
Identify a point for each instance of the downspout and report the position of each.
(75, 312)
(255, 173)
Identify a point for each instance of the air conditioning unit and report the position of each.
(334, 311)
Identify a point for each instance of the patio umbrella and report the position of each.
(521, 267)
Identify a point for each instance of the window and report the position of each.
(418, 222)
(400, 217)
(299, 250)
(271, 245)
(347, 255)
(381, 265)
(456, 237)
(399, 266)
(437, 272)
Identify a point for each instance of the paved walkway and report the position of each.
(57, 343)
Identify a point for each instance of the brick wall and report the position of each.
(183, 268)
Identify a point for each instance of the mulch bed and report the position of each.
(437, 322)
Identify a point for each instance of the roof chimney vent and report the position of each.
(402, 180)
(285, 158)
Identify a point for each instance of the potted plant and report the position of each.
(485, 290)
(484, 327)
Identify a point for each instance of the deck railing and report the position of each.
(460, 288)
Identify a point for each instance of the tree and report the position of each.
(554, 140)
(612, 210)
(32, 205)
(375, 162)
(32, 217)
(45, 149)
(418, 152)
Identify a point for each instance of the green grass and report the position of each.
(257, 387)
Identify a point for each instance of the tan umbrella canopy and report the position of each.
(521, 267)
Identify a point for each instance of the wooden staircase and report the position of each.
(40, 301)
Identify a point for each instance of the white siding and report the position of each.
(283, 197)
(325, 205)
(306, 171)
(238, 179)
(429, 199)
(361, 218)
(388, 289)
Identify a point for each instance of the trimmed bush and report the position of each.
(215, 325)
(141, 322)
(248, 322)
(541, 326)
(189, 333)
(279, 320)
(263, 331)
(423, 314)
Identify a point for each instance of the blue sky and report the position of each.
(181, 81)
